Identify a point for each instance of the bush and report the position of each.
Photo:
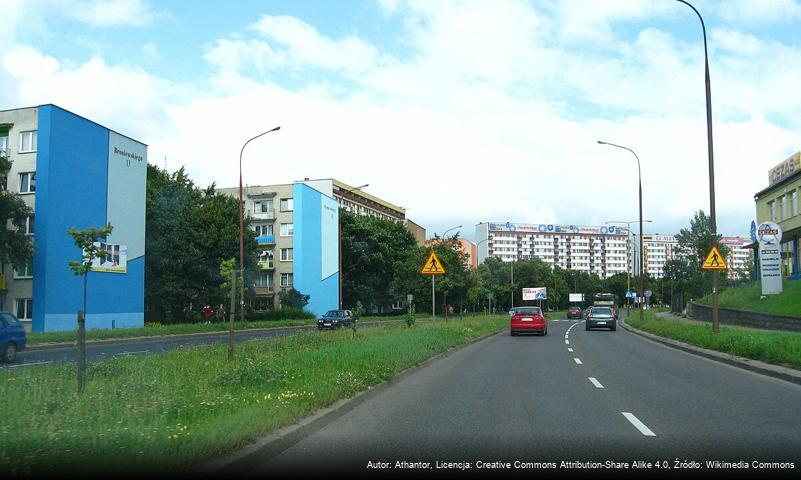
(410, 317)
(285, 313)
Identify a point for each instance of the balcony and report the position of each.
(263, 291)
(266, 264)
(265, 239)
(3, 282)
(268, 215)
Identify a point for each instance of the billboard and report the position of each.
(785, 169)
(576, 297)
(555, 228)
(538, 293)
(113, 258)
(769, 235)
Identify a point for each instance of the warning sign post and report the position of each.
(433, 266)
(714, 260)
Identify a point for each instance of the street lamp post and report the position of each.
(712, 222)
(477, 244)
(628, 247)
(242, 231)
(339, 223)
(641, 292)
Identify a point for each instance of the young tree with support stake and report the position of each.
(85, 240)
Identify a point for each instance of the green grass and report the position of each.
(780, 348)
(168, 412)
(747, 298)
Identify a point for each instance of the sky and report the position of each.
(460, 111)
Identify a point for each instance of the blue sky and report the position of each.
(461, 111)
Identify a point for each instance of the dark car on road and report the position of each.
(12, 337)
(528, 320)
(601, 317)
(335, 319)
(574, 312)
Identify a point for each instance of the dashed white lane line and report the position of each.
(595, 382)
(567, 342)
(28, 364)
(638, 424)
(577, 361)
(569, 349)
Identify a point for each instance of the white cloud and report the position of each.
(111, 13)
(757, 11)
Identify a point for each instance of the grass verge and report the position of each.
(748, 298)
(780, 348)
(167, 412)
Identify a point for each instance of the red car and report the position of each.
(574, 312)
(529, 320)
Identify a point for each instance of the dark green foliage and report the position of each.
(189, 232)
(16, 247)
(372, 250)
(292, 298)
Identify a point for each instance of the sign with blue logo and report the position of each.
(631, 294)
(753, 231)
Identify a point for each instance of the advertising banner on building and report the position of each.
(553, 228)
(113, 258)
(769, 235)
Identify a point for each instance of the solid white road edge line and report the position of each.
(28, 364)
(595, 382)
(638, 424)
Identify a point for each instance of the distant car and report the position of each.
(12, 337)
(335, 319)
(601, 317)
(528, 320)
(574, 312)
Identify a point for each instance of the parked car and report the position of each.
(12, 337)
(528, 320)
(574, 312)
(601, 317)
(335, 319)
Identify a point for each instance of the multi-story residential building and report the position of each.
(779, 203)
(75, 173)
(298, 247)
(659, 249)
(599, 250)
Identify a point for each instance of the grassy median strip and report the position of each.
(166, 412)
(780, 348)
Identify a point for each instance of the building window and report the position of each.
(783, 203)
(25, 308)
(263, 206)
(27, 182)
(262, 230)
(27, 142)
(287, 229)
(287, 204)
(772, 207)
(29, 225)
(4, 143)
(286, 254)
(24, 272)
(286, 279)
(794, 202)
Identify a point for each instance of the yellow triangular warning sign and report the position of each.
(432, 266)
(714, 260)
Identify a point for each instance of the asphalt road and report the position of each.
(573, 396)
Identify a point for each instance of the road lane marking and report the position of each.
(638, 424)
(595, 382)
(577, 361)
(28, 364)
(123, 354)
(569, 349)
(567, 342)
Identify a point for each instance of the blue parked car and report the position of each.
(12, 337)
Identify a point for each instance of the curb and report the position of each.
(757, 366)
(272, 444)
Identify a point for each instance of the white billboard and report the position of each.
(576, 297)
(539, 293)
(769, 235)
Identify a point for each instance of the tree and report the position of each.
(16, 247)
(694, 244)
(371, 251)
(292, 298)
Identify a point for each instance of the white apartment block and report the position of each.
(599, 250)
(658, 249)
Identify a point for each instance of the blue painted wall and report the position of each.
(72, 168)
(315, 217)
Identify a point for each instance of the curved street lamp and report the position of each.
(712, 222)
(640, 293)
(242, 233)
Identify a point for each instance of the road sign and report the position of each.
(631, 294)
(714, 260)
(648, 294)
(433, 266)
